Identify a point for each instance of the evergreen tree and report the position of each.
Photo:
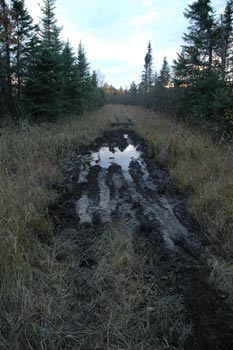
(202, 32)
(83, 79)
(97, 96)
(22, 32)
(224, 50)
(200, 41)
(202, 66)
(133, 89)
(165, 75)
(5, 52)
(69, 79)
(147, 74)
(45, 91)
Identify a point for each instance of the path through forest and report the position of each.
(115, 179)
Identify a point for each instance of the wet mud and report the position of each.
(115, 179)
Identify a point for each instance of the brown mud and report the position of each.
(116, 179)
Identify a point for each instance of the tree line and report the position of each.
(40, 75)
(199, 84)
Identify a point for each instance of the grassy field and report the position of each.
(30, 284)
(33, 288)
(203, 169)
(133, 310)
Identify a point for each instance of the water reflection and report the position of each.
(107, 156)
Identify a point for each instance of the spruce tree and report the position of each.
(147, 74)
(197, 53)
(22, 32)
(69, 79)
(194, 68)
(225, 42)
(165, 75)
(202, 67)
(83, 79)
(202, 32)
(97, 96)
(133, 89)
(45, 91)
(5, 52)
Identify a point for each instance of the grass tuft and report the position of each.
(130, 311)
(30, 283)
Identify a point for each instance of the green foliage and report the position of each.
(47, 72)
(97, 96)
(39, 75)
(69, 81)
(22, 31)
(133, 89)
(165, 74)
(204, 68)
(147, 74)
(84, 79)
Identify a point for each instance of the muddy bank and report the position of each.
(114, 179)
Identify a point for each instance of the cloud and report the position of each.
(143, 20)
(148, 3)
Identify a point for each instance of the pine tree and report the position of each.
(194, 69)
(147, 74)
(133, 89)
(22, 32)
(97, 96)
(203, 66)
(84, 79)
(224, 50)
(5, 52)
(45, 91)
(202, 32)
(165, 75)
(200, 41)
(69, 79)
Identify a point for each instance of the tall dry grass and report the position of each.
(131, 310)
(30, 285)
(199, 166)
(204, 169)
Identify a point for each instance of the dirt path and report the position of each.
(115, 179)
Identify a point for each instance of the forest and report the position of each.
(116, 210)
(40, 76)
(198, 85)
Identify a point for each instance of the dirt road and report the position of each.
(115, 179)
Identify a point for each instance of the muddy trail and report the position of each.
(115, 179)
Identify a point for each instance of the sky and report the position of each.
(115, 34)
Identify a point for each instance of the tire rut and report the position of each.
(117, 181)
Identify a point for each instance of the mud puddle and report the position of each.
(114, 180)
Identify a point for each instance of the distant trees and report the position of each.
(199, 85)
(147, 74)
(40, 75)
(164, 77)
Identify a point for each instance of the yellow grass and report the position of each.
(200, 167)
(31, 286)
(29, 159)
(132, 310)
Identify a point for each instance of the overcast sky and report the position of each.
(115, 34)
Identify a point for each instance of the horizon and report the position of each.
(116, 41)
